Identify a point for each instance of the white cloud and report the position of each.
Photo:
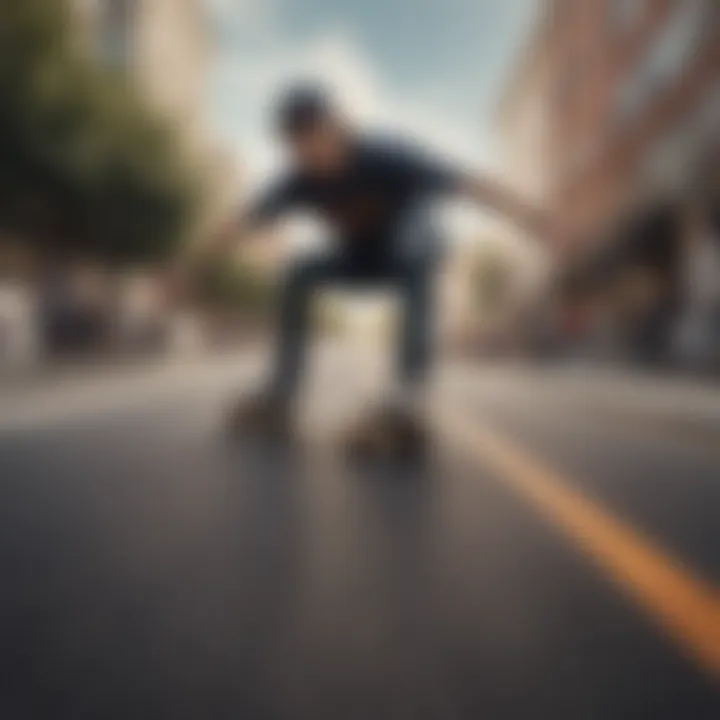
(257, 13)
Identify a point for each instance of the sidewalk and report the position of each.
(45, 375)
(79, 392)
(682, 397)
(685, 402)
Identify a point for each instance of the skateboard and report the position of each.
(255, 419)
(387, 432)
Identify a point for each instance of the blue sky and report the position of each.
(432, 68)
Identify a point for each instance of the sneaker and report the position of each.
(391, 429)
(261, 415)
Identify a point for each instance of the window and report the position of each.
(671, 159)
(624, 15)
(665, 61)
(680, 39)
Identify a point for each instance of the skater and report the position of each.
(376, 195)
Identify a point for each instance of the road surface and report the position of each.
(559, 557)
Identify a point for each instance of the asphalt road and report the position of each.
(558, 557)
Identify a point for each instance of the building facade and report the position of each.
(634, 105)
(524, 124)
(162, 46)
(626, 153)
(523, 119)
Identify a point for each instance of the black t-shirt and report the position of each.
(365, 202)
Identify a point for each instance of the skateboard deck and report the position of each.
(251, 421)
(383, 433)
(387, 433)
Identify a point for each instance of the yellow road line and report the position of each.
(686, 607)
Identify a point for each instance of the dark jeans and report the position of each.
(410, 276)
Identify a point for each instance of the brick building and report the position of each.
(634, 105)
(523, 118)
(612, 103)
(623, 101)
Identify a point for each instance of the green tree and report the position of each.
(85, 167)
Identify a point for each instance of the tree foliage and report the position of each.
(85, 167)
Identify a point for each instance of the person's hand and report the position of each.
(180, 283)
(548, 228)
(224, 238)
(535, 222)
(184, 274)
(558, 232)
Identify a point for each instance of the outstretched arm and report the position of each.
(438, 175)
(495, 196)
(249, 220)
(186, 267)
(226, 237)
(244, 223)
